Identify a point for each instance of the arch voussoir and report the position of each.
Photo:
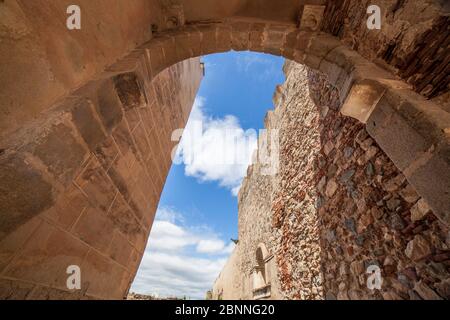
(256, 37)
(240, 36)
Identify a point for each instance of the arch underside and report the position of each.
(411, 130)
(386, 104)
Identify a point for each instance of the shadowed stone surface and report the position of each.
(87, 116)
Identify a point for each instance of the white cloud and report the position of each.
(248, 61)
(210, 246)
(176, 275)
(169, 214)
(168, 236)
(180, 260)
(216, 149)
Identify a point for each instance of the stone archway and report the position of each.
(369, 93)
(76, 175)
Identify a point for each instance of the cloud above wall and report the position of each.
(216, 149)
(180, 260)
(257, 66)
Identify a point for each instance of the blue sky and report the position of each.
(197, 214)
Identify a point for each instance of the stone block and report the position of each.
(108, 106)
(133, 119)
(140, 136)
(106, 153)
(150, 212)
(138, 203)
(130, 91)
(208, 39)
(409, 194)
(155, 55)
(15, 290)
(123, 218)
(310, 60)
(42, 293)
(223, 38)
(94, 228)
(240, 36)
(348, 60)
(183, 46)
(24, 193)
(125, 143)
(45, 257)
(68, 208)
(420, 210)
(418, 248)
(135, 260)
(291, 40)
(331, 70)
(274, 39)
(195, 41)
(321, 45)
(96, 184)
(155, 169)
(385, 123)
(103, 277)
(60, 151)
(139, 239)
(120, 175)
(144, 183)
(88, 124)
(127, 63)
(425, 291)
(427, 118)
(431, 179)
(311, 17)
(362, 99)
(169, 48)
(256, 37)
(147, 119)
(120, 249)
(144, 72)
(12, 243)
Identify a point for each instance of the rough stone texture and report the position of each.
(84, 187)
(338, 206)
(237, 279)
(38, 52)
(329, 238)
(229, 285)
(89, 139)
(49, 61)
(370, 93)
(413, 39)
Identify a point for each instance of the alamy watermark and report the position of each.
(375, 280)
(73, 22)
(374, 20)
(74, 280)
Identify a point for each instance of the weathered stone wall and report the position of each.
(236, 281)
(229, 285)
(99, 165)
(337, 206)
(49, 161)
(42, 61)
(413, 40)
(255, 199)
(342, 206)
